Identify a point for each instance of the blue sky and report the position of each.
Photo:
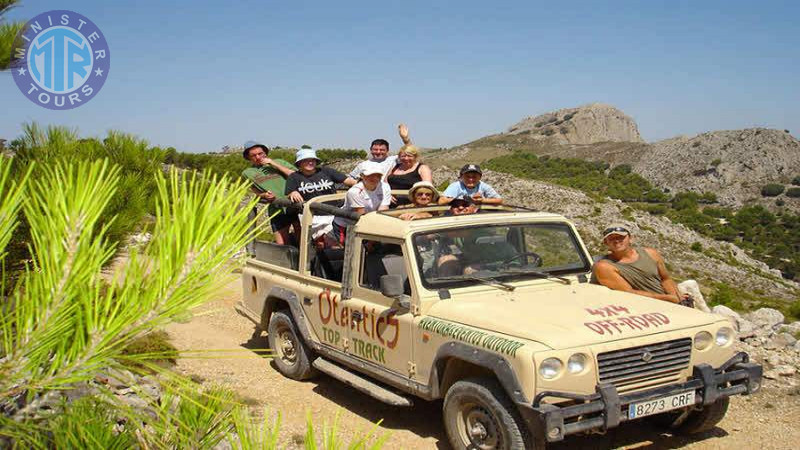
(200, 75)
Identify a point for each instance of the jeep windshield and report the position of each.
(498, 254)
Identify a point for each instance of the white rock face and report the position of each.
(781, 340)
(588, 124)
(766, 318)
(745, 328)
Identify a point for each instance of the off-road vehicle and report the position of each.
(492, 312)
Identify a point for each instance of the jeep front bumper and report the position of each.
(606, 409)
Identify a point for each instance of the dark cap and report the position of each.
(470, 168)
(616, 228)
(462, 199)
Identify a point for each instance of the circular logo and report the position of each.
(60, 60)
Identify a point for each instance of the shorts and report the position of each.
(281, 220)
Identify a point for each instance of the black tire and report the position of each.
(292, 357)
(479, 415)
(696, 421)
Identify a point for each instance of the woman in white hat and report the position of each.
(422, 193)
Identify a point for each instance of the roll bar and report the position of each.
(317, 208)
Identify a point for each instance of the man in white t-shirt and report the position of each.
(369, 194)
(379, 153)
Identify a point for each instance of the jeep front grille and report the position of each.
(638, 365)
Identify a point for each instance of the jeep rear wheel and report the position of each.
(693, 421)
(479, 415)
(292, 357)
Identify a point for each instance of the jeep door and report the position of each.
(380, 327)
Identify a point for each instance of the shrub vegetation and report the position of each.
(772, 190)
(768, 237)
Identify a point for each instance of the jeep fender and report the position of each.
(278, 294)
(485, 359)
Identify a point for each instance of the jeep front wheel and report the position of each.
(479, 415)
(292, 357)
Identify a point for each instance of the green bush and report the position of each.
(696, 247)
(772, 190)
(796, 181)
(139, 165)
(793, 192)
(716, 162)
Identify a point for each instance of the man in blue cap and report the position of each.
(269, 182)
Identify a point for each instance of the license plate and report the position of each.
(659, 405)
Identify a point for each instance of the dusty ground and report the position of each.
(769, 420)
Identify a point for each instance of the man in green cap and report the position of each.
(269, 182)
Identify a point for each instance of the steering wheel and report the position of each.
(536, 260)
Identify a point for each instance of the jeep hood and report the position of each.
(566, 316)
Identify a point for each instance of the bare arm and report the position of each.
(425, 173)
(609, 276)
(667, 282)
(350, 181)
(285, 171)
(444, 200)
(485, 200)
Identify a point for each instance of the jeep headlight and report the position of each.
(702, 340)
(577, 363)
(550, 368)
(724, 336)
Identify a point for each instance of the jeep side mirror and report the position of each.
(392, 287)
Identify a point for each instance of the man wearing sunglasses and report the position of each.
(639, 270)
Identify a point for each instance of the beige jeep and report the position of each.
(493, 313)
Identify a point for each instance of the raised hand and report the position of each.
(403, 130)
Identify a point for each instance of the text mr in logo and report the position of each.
(61, 60)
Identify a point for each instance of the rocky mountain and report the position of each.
(734, 164)
(586, 124)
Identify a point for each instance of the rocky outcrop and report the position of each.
(587, 124)
(734, 165)
(765, 337)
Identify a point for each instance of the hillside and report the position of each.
(734, 165)
(718, 266)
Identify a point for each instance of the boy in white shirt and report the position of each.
(369, 194)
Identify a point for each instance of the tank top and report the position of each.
(641, 274)
(404, 181)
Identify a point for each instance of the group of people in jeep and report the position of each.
(369, 185)
(638, 270)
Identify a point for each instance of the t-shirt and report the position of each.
(359, 197)
(457, 189)
(386, 166)
(267, 178)
(321, 182)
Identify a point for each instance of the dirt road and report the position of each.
(768, 420)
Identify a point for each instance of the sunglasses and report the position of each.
(420, 194)
(616, 230)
